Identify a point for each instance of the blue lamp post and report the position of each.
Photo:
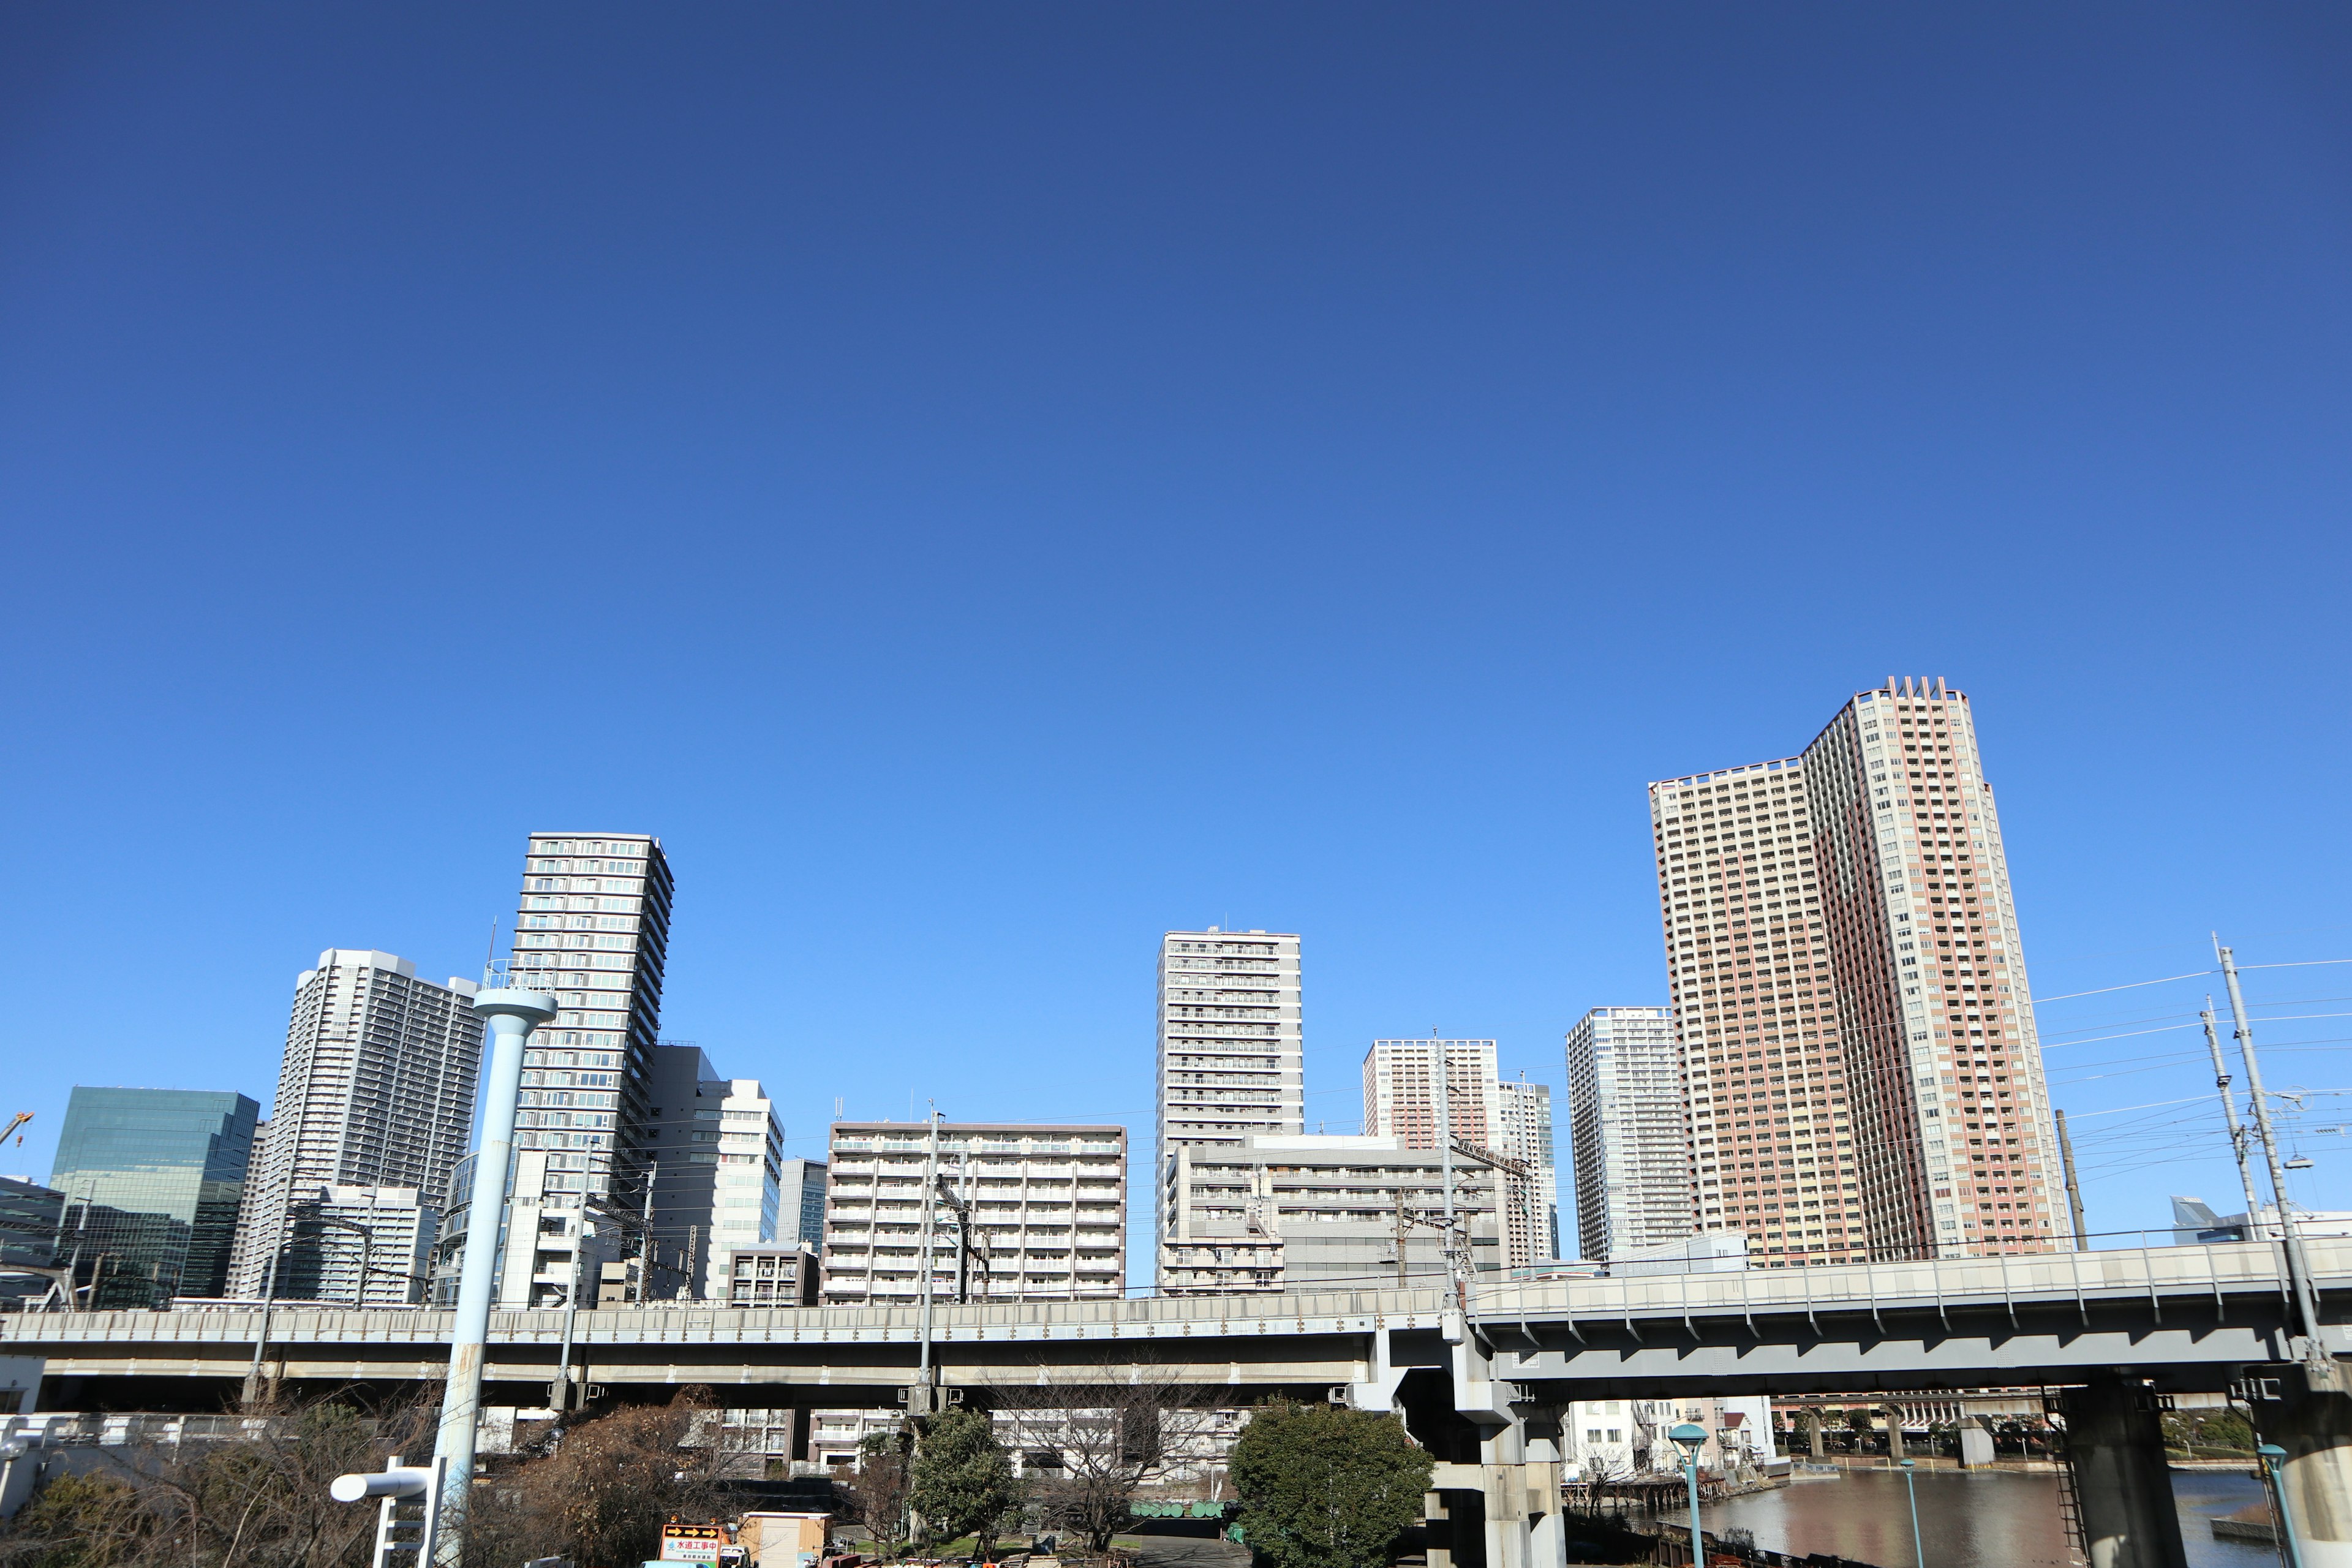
(2272, 1457)
(1689, 1437)
(1918, 1554)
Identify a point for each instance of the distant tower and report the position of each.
(1530, 1209)
(1628, 1131)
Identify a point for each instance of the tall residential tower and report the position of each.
(1231, 1052)
(376, 1090)
(1848, 987)
(593, 927)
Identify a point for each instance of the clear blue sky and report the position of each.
(988, 484)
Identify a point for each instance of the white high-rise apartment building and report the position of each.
(1231, 1047)
(1628, 1131)
(376, 1090)
(1047, 1207)
(1530, 1209)
(1848, 984)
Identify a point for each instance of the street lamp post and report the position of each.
(1911, 1490)
(512, 1007)
(2272, 1457)
(1690, 1437)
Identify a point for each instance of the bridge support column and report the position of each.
(1546, 1467)
(2122, 1492)
(1894, 1435)
(1813, 1431)
(2314, 1423)
(1501, 1458)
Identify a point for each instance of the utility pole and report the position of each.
(2319, 1366)
(930, 1208)
(645, 1237)
(1399, 1234)
(2074, 1187)
(2229, 1116)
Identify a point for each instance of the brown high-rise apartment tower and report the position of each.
(1850, 995)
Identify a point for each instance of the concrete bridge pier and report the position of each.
(1520, 1467)
(2122, 1490)
(1815, 1435)
(2312, 1420)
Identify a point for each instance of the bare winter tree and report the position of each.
(1095, 1441)
(255, 1500)
(876, 1495)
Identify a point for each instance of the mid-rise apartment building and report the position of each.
(1231, 1043)
(375, 1089)
(1021, 1211)
(1628, 1131)
(772, 1274)
(1848, 988)
(1314, 1209)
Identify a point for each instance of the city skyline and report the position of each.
(636, 1017)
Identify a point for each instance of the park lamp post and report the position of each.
(2272, 1457)
(512, 1005)
(1690, 1437)
(1911, 1490)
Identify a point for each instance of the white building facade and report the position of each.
(1316, 1209)
(1231, 1043)
(376, 1089)
(1029, 1212)
(361, 1247)
(1628, 1131)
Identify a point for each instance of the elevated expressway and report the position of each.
(1481, 1388)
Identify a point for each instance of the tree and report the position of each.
(962, 1478)
(1096, 1444)
(86, 1521)
(876, 1499)
(1323, 1487)
(602, 1498)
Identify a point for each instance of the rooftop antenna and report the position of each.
(490, 953)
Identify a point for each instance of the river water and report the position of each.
(1968, 1518)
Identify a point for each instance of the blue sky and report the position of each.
(989, 485)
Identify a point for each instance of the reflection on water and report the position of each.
(1967, 1519)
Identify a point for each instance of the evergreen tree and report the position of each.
(962, 1478)
(1327, 1488)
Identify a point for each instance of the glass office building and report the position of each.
(175, 1161)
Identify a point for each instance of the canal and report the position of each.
(1967, 1519)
